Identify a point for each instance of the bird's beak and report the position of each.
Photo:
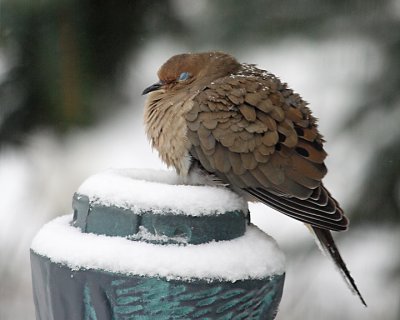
(153, 87)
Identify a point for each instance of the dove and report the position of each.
(242, 127)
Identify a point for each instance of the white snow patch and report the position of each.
(160, 191)
(255, 255)
(146, 235)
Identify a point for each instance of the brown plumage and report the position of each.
(245, 127)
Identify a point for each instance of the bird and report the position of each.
(246, 129)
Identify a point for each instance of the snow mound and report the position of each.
(161, 191)
(255, 255)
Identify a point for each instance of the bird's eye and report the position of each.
(183, 76)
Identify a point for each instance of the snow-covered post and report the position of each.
(140, 245)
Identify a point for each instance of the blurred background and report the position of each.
(71, 77)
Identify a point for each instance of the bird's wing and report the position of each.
(257, 135)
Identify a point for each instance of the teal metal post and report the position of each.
(65, 291)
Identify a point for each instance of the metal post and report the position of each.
(63, 290)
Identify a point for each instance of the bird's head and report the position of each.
(193, 70)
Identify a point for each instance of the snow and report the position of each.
(145, 235)
(255, 255)
(161, 191)
(38, 180)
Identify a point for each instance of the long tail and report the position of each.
(328, 245)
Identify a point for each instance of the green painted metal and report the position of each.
(94, 294)
(62, 293)
(169, 227)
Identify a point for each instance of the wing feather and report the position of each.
(261, 139)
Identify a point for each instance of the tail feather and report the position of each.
(327, 244)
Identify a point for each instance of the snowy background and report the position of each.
(333, 72)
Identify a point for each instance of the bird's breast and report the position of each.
(167, 130)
